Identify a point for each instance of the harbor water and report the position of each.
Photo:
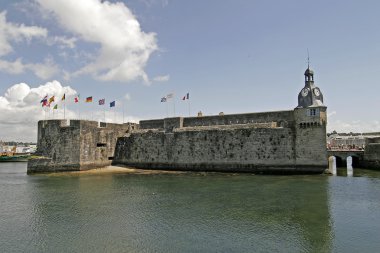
(188, 212)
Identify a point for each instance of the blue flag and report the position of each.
(112, 104)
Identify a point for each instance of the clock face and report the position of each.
(304, 92)
(317, 92)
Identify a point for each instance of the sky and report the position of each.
(231, 56)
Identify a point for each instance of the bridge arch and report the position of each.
(340, 162)
(355, 161)
(342, 155)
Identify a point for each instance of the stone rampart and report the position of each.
(283, 118)
(257, 142)
(371, 157)
(76, 144)
(218, 149)
(152, 124)
(280, 142)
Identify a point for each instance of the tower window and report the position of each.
(312, 112)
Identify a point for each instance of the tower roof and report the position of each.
(309, 72)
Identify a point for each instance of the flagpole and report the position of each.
(123, 111)
(64, 108)
(188, 103)
(167, 109)
(174, 106)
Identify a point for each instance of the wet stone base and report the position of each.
(46, 165)
(229, 168)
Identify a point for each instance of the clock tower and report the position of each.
(310, 95)
(310, 120)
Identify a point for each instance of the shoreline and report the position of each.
(114, 170)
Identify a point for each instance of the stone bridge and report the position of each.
(341, 157)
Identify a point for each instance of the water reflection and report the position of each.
(194, 212)
(189, 212)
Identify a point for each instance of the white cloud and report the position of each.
(21, 109)
(161, 78)
(127, 97)
(150, 3)
(355, 126)
(43, 70)
(62, 41)
(16, 67)
(331, 114)
(124, 47)
(10, 32)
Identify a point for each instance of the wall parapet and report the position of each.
(282, 118)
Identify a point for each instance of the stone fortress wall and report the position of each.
(371, 157)
(270, 142)
(75, 144)
(292, 141)
(283, 118)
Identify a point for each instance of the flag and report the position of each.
(55, 107)
(89, 99)
(51, 99)
(64, 97)
(44, 99)
(163, 99)
(44, 103)
(170, 95)
(112, 104)
(102, 101)
(186, 96)
(76, 99)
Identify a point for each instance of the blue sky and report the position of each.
(231, 56)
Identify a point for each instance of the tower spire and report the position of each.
(308, 59)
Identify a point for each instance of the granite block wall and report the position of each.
(229, 149)
(371, 157)
(76, 144)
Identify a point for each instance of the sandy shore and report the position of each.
(116, 170)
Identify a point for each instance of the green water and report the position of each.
(190, 212)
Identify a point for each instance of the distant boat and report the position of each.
(15, 154)
(14, 157)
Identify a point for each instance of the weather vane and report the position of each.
(308, 59)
